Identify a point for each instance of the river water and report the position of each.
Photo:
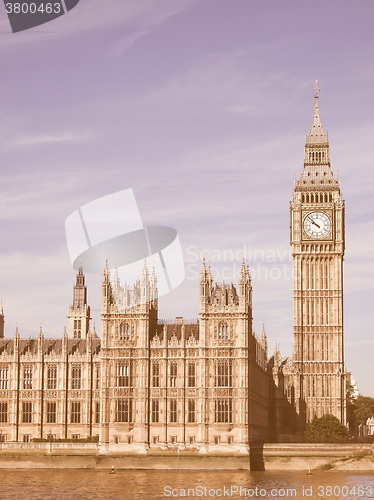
(151, 484)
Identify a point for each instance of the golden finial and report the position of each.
(316, 89)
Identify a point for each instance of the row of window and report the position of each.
(223, 411)
(51, 382)
(77, 328)
(316, 198)
(316, 156)
(223, 374)
(124, 411)
(51, 412)
(123, 376)
(124, 331)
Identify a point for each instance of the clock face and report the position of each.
(317, 225)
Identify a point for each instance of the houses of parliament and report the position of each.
(209, 385)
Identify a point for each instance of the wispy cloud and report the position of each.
(46, 139)
(120, 46)
(235, 80)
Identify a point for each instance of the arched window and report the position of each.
(222, 331)
(123, 374)
(155, 374)
(155, 411)
(223, 373)
(124, 331)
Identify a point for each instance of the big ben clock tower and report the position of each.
(317, 244)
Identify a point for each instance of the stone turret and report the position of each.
(79, 311)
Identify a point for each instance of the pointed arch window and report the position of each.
(155, 411)
(173, 411)
(3, 377)
(77, 328)
(124, 410)
(173, 374)
(191, 411)
(76, 377)
(27, 412)
(191, 374)
(223, 330)
(156, 374)
(75, 412)
(123, 374)
(223, 413)
(124, 331)
(52, 377)
(27, 377)
(223, 373)
(3, 412)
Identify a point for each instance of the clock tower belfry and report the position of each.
(317, 245)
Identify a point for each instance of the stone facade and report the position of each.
(144, 384)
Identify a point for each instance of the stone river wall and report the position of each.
(266, 457)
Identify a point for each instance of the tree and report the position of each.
(351, 404)
(326, 429)
(363, 409)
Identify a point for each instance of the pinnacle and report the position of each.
(316, 134)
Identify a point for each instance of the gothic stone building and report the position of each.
(206, 385)
(144, 383)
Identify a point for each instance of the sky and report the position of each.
(201, 107)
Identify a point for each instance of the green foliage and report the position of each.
(363, 409)
(326, 429)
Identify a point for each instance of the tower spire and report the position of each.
(1, 320)
(316, 134)
(317, 173)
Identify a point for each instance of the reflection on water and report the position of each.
(151, 484)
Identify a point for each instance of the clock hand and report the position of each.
(312, 221)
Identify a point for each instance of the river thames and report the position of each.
(152, 484)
